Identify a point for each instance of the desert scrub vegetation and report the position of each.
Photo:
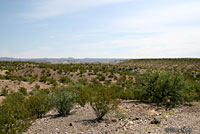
(63, 100)
(38, 104)
(103, 99)
(82, 94)
(164, 88)
(3, 92)
(100, 85)
(193, 93)
(64, 79)
(23, 90)
(52, 81)
(14, 117)
(17, 111)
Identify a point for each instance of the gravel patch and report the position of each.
(129, 118)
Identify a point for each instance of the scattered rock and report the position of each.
(136, 118)
(131, 122)
(138, 121)
(124, 128)
(152, 112)
(70, 124)
(114, 120)
(155, 121)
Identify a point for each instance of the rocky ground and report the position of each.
(129, 118)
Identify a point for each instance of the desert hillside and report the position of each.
(135, 96)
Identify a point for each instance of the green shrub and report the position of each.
(162, 88)
(60, 71)
(63, 100)
(101, 78)
(23, 90)
(2, 77)
(29, 79)
(10, 124)
(115, 78)
(37, 86)
(43, 79)
(83, 94)
(94, 80)
(126, 94)
(197, 90)
(65, 79)
(82, 81)
(16, 100)
(38, 104)
(102, 99)
(14, 117)
(52, 81)
(193, 91)
(4, 92)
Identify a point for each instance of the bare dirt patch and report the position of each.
(3, 72)
(15, 85)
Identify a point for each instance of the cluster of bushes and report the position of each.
(19, 78)
(19, 109)
(48, 80)
(164, 88)
(39, 103)
(14, 117)
(101, 98)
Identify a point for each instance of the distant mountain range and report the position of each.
(66, 60)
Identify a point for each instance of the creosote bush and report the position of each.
(38, 104)
(4, 92)
(23, 90)
(82, 94)
(192, 91)
(63, 100)
(17, 110)
(102, 99)
(37, 86)
(52, 81)
(162, 88)
(65, 79)
(14, 117)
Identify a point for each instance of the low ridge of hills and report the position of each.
(66, 60)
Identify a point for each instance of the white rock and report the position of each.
(57, 129)
(131, 122)
(124, 128)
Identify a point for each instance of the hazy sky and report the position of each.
(100, 28)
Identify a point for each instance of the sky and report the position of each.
(100, 28)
